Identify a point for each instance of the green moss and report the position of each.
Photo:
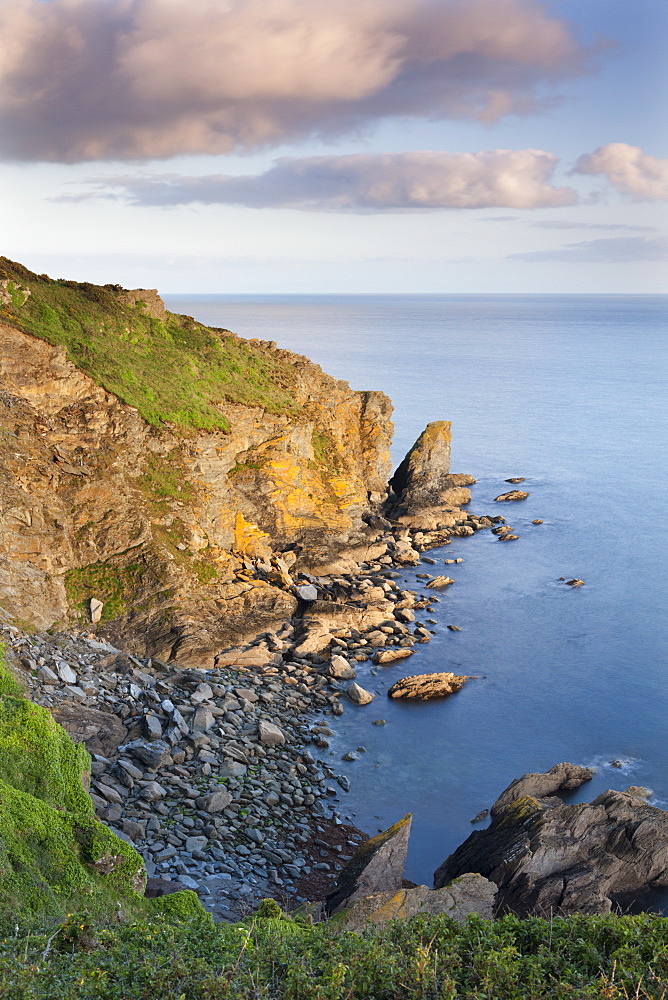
(164, 479)
(8, 683)
(183, 905)
(325, 451)
(173, 370)
(110, 583)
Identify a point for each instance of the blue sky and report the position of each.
(422, 145)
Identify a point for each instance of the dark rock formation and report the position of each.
(424, 686)
(557, 859)
(423, 480)
(378, 866)
(562, 777)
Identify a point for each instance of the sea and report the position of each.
(569, 392)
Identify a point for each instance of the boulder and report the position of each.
(424, 686)
(549, 858)
(387, 656)
(102, 732)
(359, 695)
(423, 479)
(562, 777)
(95, 608)
(307, 592)
(468, 894)
(512, 495)
(377, 866)
(269, 734)
(156, 887)
(439, 582)
(341, 669)
(216, 801)
(152, 754)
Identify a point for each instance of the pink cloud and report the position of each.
(96, 79)
(629, 169)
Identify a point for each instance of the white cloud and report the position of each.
(373, 182)
(611, 250)
(629, 169)
(131, 79)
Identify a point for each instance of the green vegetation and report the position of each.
(110, 583)
(164, 479)
(325, 451)
(173, 370)
(269, 957)
(8, 683)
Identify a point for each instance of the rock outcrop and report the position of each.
(551, 858)
(424, 686)
(378, 866)
(562, 777)
(466, 895)
(190, 538)
(426, 493)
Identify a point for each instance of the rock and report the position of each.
(204, 719)
(101, 732)
(512, 495)
(216, 801)
(639, 792)
(379, 722)
(516, 479)
(307, 592)
(503, 529)
(424, 686)
(153, 791)
(575, 583)
(341, 669)
(537, 520)
(454, 628)
(65, 672)
(358, 695)
(202, 692)
(152, 727)
(47, 676)
(269, 734)
(438, 582)
(479, 817)
(508, 538)
(387, 656)
(134, 830)
(468, 894)
(562, 777)
(350, 755)
(377, 866)
(558, 859)
(232, 769)
(196, 844)
(95, 609)
(152, 754)
(156, 887)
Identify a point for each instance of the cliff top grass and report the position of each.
(269, 958)
(173, 370)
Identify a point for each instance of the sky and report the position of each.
(324, 146)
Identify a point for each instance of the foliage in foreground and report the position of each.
(430, 957)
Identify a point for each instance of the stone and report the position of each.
(307, 592)
(470, 893)
(134, 830)
(549, 858)
(379, 722)
(439, 582)
(156, 887)
(562, 777)
(387, 656)
(153, 791)
(508, 538)
(95, 610)
(454, 628)
(516, 479)
(358, 695)
(152, 754)
(425, 686)
(47, 676)
(65, 672)
(216, 801)
(101, 732)
(341, 669)
(377, 866)
(232, 769)
(512, 495)
(196, 844)
(269, 734)
(204, 719)
(152, 727)
(575, 583)
(537, 520)
(202, 692)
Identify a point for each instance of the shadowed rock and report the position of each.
(562, 777)
(101, 732)
(377, 866)
(423, 479)
(558, 859)
(468, 894)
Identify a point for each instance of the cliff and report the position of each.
(180, 475)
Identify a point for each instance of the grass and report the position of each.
(174, 371)
(269, 957)
(109, 583)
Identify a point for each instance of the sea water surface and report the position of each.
(569, 392)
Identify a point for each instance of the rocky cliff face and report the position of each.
(191, 538)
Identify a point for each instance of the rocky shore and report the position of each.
(215, 775)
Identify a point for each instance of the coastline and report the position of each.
(209, 802)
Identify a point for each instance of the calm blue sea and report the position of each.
(570, 392)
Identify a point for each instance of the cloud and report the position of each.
(133, 79)
(629, 169)
(572, 224)
(500, 218)
(366, 182)
(613, 250)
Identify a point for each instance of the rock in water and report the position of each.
(575, 583)
(438, 582)
(377, 866)
(424, 686)
(468, 894)
(359, 695)
(387, 656)
(341, 669)
(562, 777)
(423, 479)
(513, 495)
(516, 479)
(554, 860)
